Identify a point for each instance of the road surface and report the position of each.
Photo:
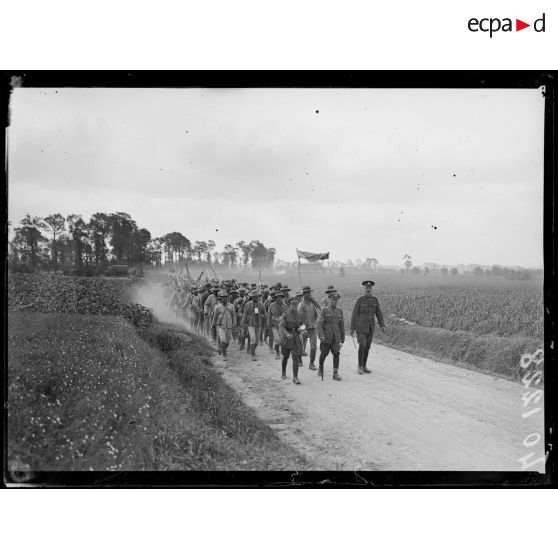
(410, 414)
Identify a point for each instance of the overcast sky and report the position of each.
(355, 172)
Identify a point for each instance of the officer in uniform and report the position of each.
(363, 322)
(331, 332)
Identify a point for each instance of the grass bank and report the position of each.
(87, 393)
(488, 353)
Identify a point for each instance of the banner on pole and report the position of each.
(311, 256)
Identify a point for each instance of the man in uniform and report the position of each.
(291, 344)
(331, 332)
(310, 311)
(366, 309)
(276, 310)
(239, 304)
(209, 305)
(254, 319)
(223, 320)
(325, 300)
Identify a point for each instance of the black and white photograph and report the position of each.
(282, 279)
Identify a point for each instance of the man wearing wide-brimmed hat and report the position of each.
(223, 320)
(330, 289)
(254, 319)
(310, 311)
(241, 331)
(274, 313)
(366, 309)
(210, 303)
(331, 332)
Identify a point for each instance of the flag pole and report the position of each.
(299, 278)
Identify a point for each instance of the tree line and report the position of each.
(70, 242)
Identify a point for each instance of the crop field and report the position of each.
(490, 305)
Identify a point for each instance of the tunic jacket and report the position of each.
(250, 317)
(289, 323)
(331, 325)
(362, 319)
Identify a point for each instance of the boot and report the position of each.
(321, 371)
(364, 359)
(284, 369)
(277, 355)
(360, 371)
(224, 349)
(295, 376)
(336, 375)
(312, 366)
(219, 347)
(253, 351)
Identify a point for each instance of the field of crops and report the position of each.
(491, 305)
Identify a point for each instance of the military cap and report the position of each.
(223, 294)
(368, 283)
(293, 299)
(275, 296)
(216, 288)
(330, 289)
(306, 289)
(278, 285)
(299, 294)
(241, 290)
(285, 288)
(254, 293)
(334, 295)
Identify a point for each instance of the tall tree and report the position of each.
(245, 250)
(121, 228)
(199, 249)
(29, 240)
(56, 223)
(100, 227)
(78, 231)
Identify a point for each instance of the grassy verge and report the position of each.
(86, 393)
(488, 353)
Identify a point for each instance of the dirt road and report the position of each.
(410, 414)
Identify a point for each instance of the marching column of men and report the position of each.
(251, 315)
